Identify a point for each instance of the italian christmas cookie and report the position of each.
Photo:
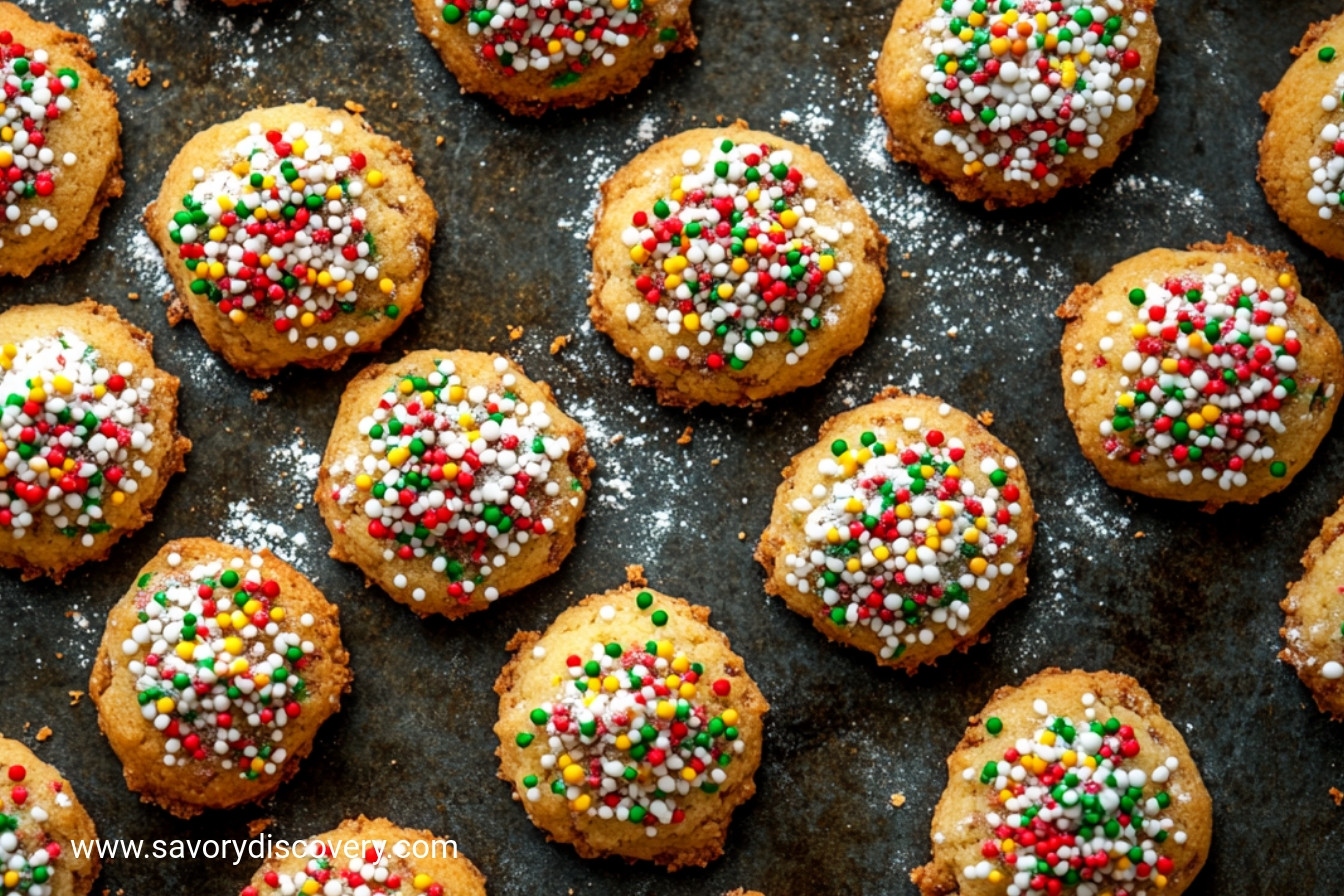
(364, 856)
(1302, 151)
(731, 266)
(294, 235)
(88, 435)
(215, 672)
(40, 820)
(452, 480)
(1073, 783)
(902, 531)
(1201, 375)
(1007, 102)
(60, 143)
(1313, 629)
(534, 55)
(630, 728)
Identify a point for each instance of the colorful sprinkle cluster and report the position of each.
(281, 235)
(457, 472)
(75, 435)
(218, 665)
(627, 738)
(1071, 809)
(1327, 165)
(733, 257)
(900, 538)
(34, 95)
(1023, 84)
(28, 855)
(369, 875)
(566, 38)
(1213, 362)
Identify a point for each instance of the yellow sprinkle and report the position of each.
(573, 774)
(307, 319)
(725, 291)
(978, 565)
(1047, 738)
(398, 456)
(310, 887)
(1275, 334)
(691, 321)
(933, 542)
(186, 650)
(374, 179)
(11, 878)
(730, 717)
(638, 254)
(1138, 330)
(971, 536)
(681, 664)
(218, 233)
(456, 393)
(422, 881)
(853, 564)
(1285, 280)
(1211, 413)
(582, 803)
(233, 645)
(788, 218)
(610, 684)
(300, 146)
(1125, 401)
(688, 774)
(1195, 421)
(164, 704)
(622, 742)
(1169, 365)
(237, 315)
(741, 265)
(666, 709)
(554, 47)
(333, 192)
(665, 649)
(277, 614)
(386, 285)
(881, 553)
(750, 245)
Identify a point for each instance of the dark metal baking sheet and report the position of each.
(1190, 608)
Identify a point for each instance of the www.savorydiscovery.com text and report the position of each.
(258, 848)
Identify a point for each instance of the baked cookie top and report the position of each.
(745, 266)
(40, 819)
(534, 55)
(452, 479)
(87, 434)
(902, 531)
(1011, 101)
(1072, 783)
(1302, 152)
(295, 235)
(365, 856)
(629, 727)
(218, 666)
(1313, 628)
(60, 153)
(1200, 375)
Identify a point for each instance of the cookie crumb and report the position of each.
(260, 395)
(167, 83)
(44, 734)
(986, 418)
(354, 107)
(257, 825)
(140, 76)
(634, 574)
(438, 141)
(133, 296)
(1140, 534)
(685, 437)
(558, 343)
(1337, 795)
(715, 462)
(741, 536)
(617, 439)
(515, 333)
(75, 697)
(897, 800)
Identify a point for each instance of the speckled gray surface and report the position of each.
(1190, 608)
